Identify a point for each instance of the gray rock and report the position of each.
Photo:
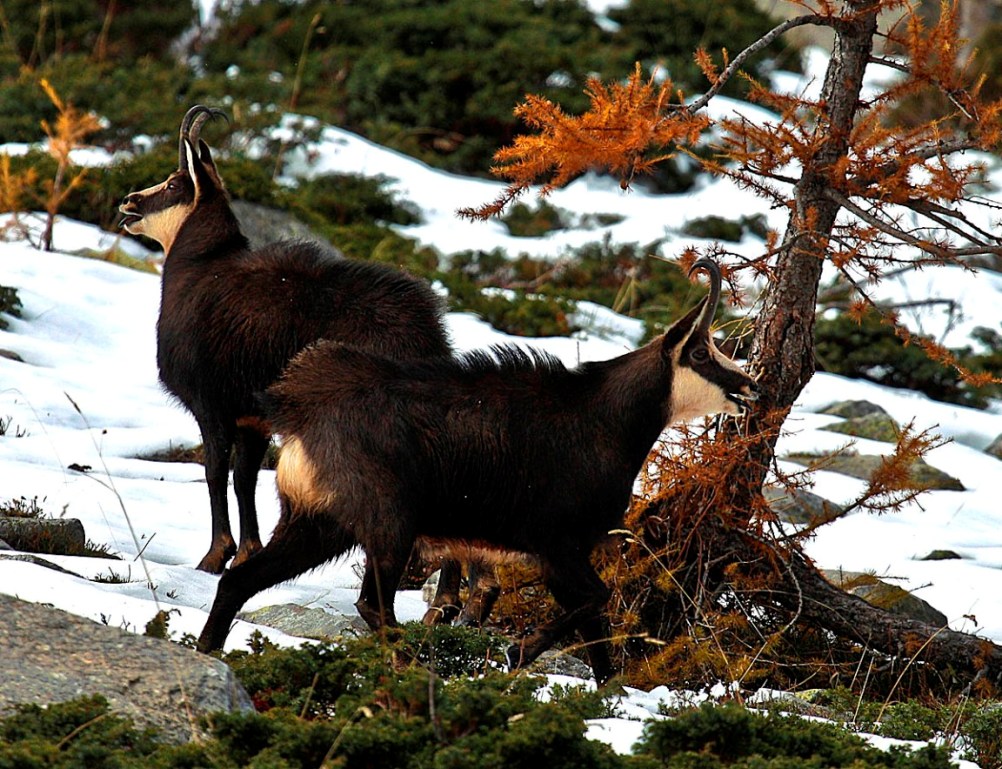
(29, 558)
(876, 427)
(799, 506)
(52, 656)
(853, 409)
(307, 623)
(63, 536)
(885, 596)
(558, 663)
(11, 355)
(995, 448)
(4, 545)
(264, 225)
(941, 555)
(922, 475)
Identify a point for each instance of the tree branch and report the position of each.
(886, 227)
(758, 45)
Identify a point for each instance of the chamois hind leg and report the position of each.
(484, 590)
(252, 443)
(299, 543)
(583, 596)
(217, 441)
(445, 606)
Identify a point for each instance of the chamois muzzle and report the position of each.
(128, 211)
(745, 397)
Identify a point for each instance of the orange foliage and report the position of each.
(629, 128)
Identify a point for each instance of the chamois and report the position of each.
(231, 318)
(504, 451)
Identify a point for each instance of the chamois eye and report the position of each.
(699, 355)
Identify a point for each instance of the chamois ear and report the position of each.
(680, 331)
(205, 156)
(200, 174)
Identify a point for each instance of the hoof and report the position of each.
(215, 561)
(245, 552)
(212, 563)
(440, 615)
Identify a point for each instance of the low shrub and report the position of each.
(525, 221)
(869, 349)
(10, 304)
(730, 735)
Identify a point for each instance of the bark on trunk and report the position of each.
(782, 352)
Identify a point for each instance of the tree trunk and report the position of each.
(783, 345)
(782, 352)
(800, 590)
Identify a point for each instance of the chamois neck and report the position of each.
(636, 390)
(211, 231)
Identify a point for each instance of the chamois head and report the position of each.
(705, 381)
(159, 211)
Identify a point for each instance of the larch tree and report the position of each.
(864, 192)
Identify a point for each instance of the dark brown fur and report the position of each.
(231, 318)
(508, 449)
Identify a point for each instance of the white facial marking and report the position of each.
(164, 225)
(693, 396)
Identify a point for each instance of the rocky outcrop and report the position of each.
(52, 656)
(885, 596)
(922, 475)
(307, 623)
(875, 427)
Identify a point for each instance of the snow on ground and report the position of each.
(87, 395)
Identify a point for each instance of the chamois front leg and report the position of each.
(217, 440)
(252, 444)
(484, 590)
(383, 569)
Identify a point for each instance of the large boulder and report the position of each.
(995, 448)
(853, 409)
(885, 596)
(799, 506)
(62, 536)
(263, 225)
(876, 427)
(52, 656)
(922, 475)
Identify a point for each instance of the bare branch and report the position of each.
(887, 228)
(942, 215)
(758, 45)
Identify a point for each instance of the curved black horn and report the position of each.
(191, 127)
(710, 308)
